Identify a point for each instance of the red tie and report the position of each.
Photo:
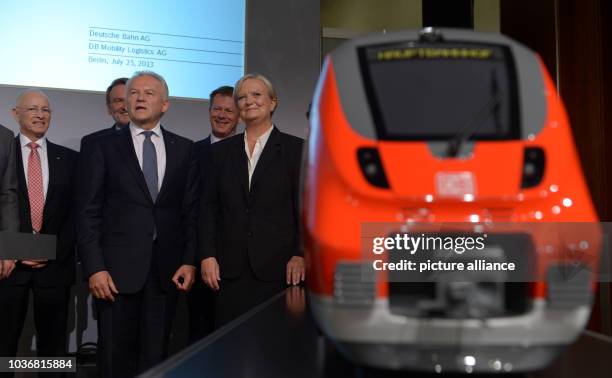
(35, 188)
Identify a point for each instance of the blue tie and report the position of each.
(149, 164)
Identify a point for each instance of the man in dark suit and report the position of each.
(223, 116)
(9, 218)
(248, 223)
(115, 106)
(136, 213)
(45, 174)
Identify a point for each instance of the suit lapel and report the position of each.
(171, 160)
(23, 187)
(126, 148)
(206, 146)
(241, 164)
(269, 153)
(55, 162)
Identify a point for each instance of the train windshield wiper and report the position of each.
(474, 124)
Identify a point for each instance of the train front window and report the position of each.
(441, 91)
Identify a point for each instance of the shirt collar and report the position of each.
(263, 139)
(214, 139)
(137, 130)
(24, 140)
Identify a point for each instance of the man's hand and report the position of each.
(295, 270)
(101, 286)
(6, 268)
(36, 264)
(187, 273)
(210, 272)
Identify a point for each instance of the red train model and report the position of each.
(444, 133)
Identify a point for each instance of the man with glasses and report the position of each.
(45, 173)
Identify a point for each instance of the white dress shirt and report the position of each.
(259, 146)
(44, 160)
(157, 138)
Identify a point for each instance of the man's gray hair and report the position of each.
(154, 75)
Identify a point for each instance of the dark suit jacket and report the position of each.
(87, 139)
(257, 226)
(203, 150)
(9, 218)
(58, 218)
(116, 216)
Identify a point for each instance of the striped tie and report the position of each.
(35, 188)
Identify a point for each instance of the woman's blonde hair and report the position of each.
(267, 83)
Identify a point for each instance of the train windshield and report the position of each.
(441, 91)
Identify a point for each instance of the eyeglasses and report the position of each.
(36, 110)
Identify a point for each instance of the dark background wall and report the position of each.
(574, 39)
